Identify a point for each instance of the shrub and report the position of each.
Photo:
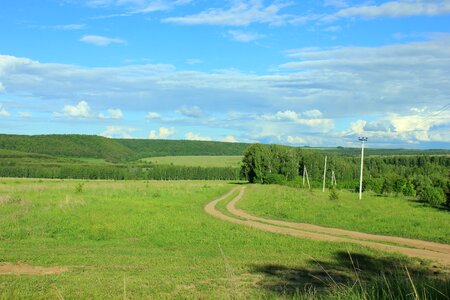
(387, 187)
(275, 179)
(79, 188)
(333, 194)
(434, 196)
(408, 190)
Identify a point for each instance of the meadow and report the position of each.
(387, 215)
(197, 161)
(152, 239)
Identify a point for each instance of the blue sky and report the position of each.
(316, 73)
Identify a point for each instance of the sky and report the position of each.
(317, 73)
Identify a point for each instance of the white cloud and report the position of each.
(118, 132)
(113, 113)
(25, 114)
(229, 139)
(344, 83)
(3, 112)
(132, 7)
(304, 140)
(99, 40)
(313, 119)
(191, 111)
(81, 110)
(152, 115)
(244, 37)
(196, 137)
(163, 133)
(395, 9)
(314, 113)
(68, 27)
(241, 13)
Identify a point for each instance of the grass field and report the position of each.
(132, 239)
(397, 216)
(197, 161)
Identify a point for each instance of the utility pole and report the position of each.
(304, 169)
(362, 140)
(324, 174)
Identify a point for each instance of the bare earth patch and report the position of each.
(7, 268)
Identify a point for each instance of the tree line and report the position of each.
(425, 176)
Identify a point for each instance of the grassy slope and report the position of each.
(154, 240)
(67, 146)
(374, 214)
(197, 161)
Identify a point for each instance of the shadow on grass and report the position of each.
(355, 275)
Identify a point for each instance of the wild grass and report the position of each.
(138, 239)
(398, 216)
(197, 161)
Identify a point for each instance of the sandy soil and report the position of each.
(23, 269)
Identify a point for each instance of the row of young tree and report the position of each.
(423, 176)
(119, 172)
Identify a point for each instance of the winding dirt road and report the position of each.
(411, 247)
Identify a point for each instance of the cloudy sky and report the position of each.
(310, 72)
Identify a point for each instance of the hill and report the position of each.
(113, 150)
(127, 150)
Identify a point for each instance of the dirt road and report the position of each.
(411, 247)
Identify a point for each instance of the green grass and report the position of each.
(137, 239)
(398, 216)
(197, 161)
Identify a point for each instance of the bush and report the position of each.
(79, 188)
(387, 187)
(408, 190)
(434, 196)
(333, 194)
(275, 179)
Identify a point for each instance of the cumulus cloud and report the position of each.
(342, 83)
(408, 128)
(310, 118)
(113, 113)
(99, 40)
(152, 115)
(81, 110)
(196, 137)
(118, 132)
(4, 112)
(162, 133)
(244, 37)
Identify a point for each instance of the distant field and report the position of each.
(146, 239)
(197, 161)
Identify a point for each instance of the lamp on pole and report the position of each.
(362, 140)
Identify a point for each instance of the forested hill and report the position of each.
(114, 150)
(125, 150)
